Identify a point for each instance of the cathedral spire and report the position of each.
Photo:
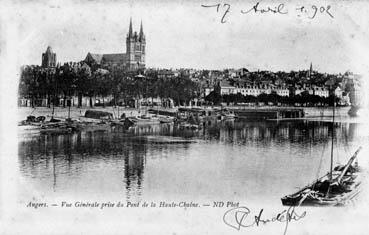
(130, 28)
(141, 35)
(310, 70)
(49, 50)
(141, 29)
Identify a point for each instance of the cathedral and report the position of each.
(133, 59)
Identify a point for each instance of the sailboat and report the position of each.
(338, 187)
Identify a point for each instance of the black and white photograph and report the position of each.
(184, 117)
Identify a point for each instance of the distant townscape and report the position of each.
(123, 79)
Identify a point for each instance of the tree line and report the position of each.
(77, 79)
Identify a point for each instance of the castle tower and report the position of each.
(48, 58)
(135, 48)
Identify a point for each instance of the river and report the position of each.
(257, 162)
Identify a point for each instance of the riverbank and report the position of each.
(78, 113)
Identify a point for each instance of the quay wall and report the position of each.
(326, 111)
(309, 111)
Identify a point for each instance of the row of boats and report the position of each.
(185, 118)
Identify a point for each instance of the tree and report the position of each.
(83, 82)
(104, 82)
(213, 97)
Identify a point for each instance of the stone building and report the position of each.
(48, 58)
(133, 59)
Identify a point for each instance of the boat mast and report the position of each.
(331, 169)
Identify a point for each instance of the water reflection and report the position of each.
(303, 132)
(118, 160)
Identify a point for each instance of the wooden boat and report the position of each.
(144, 120)
(166, 119)
(32, 121)
(125, 123)
(168, 140)
(56, 131)
(96, 114)
(59, 127)
(336, 188)
(228, 116)
(189, 126)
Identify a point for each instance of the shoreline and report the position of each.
(78, 113)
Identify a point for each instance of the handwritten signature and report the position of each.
(310, 11)
(238, 218)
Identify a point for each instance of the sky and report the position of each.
(183, 34)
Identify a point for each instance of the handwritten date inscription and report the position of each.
(310, 12)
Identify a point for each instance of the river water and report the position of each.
(257, 162)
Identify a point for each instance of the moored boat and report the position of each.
(189, 126)
(166, 119)
(63, 127)
(144, 120)
(336, 188)
(228, 116)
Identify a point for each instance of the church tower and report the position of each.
(48, 58)
(135, 48)
(310, 71)
(142, 42)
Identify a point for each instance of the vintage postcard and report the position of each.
(184, 117)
